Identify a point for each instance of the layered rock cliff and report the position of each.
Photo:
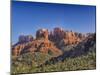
(47, 41)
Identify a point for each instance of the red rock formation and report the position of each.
(61, 37)
(25, 38)
(42, 33)
(46, 41)
(71, 38)
(58, 32)
(17, 49)
(35, 46)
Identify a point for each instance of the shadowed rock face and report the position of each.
(47, 41)
(56, 35)
(42, 33)
(27, 38)
(64, 38)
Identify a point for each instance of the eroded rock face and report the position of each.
(57, 34)
(47, 41)
(25, 38)
(61, 37)
(35, 46)
(80, 35)
(42, 33)
(40, 44)
(17, 49)
(71, 38)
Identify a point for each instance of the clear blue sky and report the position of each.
(27, 17)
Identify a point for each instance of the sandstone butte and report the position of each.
(46, 41)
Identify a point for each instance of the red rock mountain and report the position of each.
(46, 41)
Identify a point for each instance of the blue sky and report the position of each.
(27, 17)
